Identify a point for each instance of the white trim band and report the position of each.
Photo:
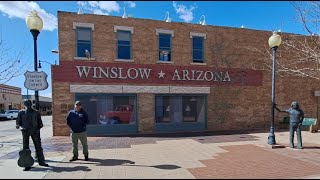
(123, 28)
(77, 88)
(86, 25)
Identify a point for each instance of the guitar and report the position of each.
(25, 158)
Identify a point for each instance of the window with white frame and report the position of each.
(165, 41)
(83, 32)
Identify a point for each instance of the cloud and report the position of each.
(184, 13)
(20, 9)
(131, 4)
(100, 7)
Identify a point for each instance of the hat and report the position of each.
(78, 103)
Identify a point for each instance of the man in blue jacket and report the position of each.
(77, 120)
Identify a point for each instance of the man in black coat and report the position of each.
(30, 121)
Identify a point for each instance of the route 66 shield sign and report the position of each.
(36, 80)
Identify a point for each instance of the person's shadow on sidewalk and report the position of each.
(60, 169)
(124, 162)
(99, 162)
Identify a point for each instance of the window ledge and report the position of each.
(124, 60)
(84, 58)
(201, 64)
(165, 62)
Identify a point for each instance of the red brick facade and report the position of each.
(240, 99)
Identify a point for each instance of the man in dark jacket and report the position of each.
(30, 121)
(77, 120)
(296, 118)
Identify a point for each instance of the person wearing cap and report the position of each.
(77, 121)
(296, 118)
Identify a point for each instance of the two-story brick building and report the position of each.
(148, 76)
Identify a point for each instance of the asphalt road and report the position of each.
(11, 138)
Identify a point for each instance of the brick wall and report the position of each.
(229, 107)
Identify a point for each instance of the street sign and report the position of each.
(36, 80)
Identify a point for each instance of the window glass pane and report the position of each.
(124, 52)
(124, 43)
(84, 34)
(164, 55)
(107, 110)
(83, 41)
(81, 49)
(180, 109)
(197, 55)
(165, 47)
(197, 42)
(164, 40)
(123, 35)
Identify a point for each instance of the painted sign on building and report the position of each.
(155, 74)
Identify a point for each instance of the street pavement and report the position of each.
(173, 156)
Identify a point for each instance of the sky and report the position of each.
(259, 15)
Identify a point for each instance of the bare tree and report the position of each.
(11, 64)
(298, 55)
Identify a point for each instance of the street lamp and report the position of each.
(274, 42)
(39, 65)
(35, 24)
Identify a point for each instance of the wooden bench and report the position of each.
(310, 124)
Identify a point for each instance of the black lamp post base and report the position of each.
(271, 139)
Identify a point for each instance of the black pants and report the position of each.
(295, 127)
(35, 136)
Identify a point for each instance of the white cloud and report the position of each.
(109, 6)
(99, 7)
(184, 13)
(131, 4)
(20, 9)
(99, 12)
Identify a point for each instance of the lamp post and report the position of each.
(35, 24)
(274, 42)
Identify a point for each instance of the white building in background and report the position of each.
(10, 97)
(45, 103)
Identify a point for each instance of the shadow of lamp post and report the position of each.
(35, 24)
(274, 42)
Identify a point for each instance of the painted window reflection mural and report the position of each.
(105, 109)
(180, 109)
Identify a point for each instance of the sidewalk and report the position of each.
(215, 156)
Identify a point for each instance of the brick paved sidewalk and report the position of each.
(213, 156)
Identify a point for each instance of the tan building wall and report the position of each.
(229, 107)
(10, 97)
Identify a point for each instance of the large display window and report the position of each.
(180, 108)
(108, 110)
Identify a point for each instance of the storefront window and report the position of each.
(109, 109)
(180, 109)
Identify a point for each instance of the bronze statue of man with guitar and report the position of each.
(30, 122)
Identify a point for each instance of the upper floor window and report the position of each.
(197, 49)
(164, 47)
(124, 44)
(84, 41)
